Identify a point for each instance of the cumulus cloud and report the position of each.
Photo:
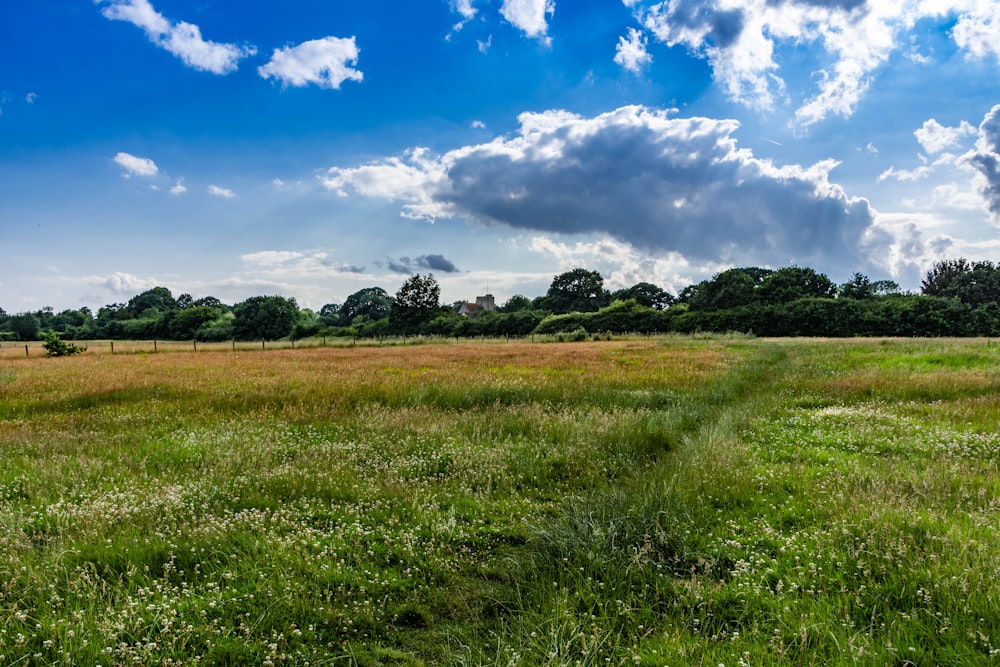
(642, 176)
(985, 158)
(136, 166)
(740, 39)
(631, 51)
(909, 243)
(30, 98)
(622, 265)
(935, 137)
(529, 16)
(119, 283)
(180, 38)
(179, 188)
(412, 179)
(217, 191)
(977, 31)
(326, 62)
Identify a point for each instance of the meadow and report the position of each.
(656, 501)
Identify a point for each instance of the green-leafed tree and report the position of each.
(372, 302)
(942, 274)
(25, 326)
(185, 323)
(645, 294)
(576, 291)
(329, 315)
(731, 288)
(978, 286)
(307, 324)
(264, 318)
(515, 303)
(792, 282)
(158, 298)
(416, 303)
(858, 287)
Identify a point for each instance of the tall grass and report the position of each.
(661, 501)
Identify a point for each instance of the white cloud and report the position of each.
(658, 183)
(935, 137)
(909, 243)
(464, 8)
(180, 38)
(122, 284)
(631, 51)
(412, 179)
(179, 188)
(978, 29)
(325, 62)
(484, 46)
(136, 166)
(221, 192)
(271, 257)
(740, 39)
(478, 125)
(529, 16)
(30, 98)
(920, 172)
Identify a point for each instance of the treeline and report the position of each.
(957, 298)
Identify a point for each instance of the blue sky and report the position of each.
(311, 148)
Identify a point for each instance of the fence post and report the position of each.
(262, 343)
(26, 350)
(112, 347)
(234, 345)
(154, 347)
(195, 341)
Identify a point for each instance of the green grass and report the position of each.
(669, 501)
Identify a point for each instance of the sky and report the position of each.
(311, 148)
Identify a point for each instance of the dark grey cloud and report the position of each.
(409, 265)
(641, 176)
(845, 5)
(986, 159)
(436, 263)
(720, 26)
(400, 267)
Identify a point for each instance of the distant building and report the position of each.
(482, 304)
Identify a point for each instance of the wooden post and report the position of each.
(112, 347)
(26, 350)
(154, 347)
(262, 343)
(195, 341)
(234, 345)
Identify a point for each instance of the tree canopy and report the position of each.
(578, 290)
(416, 303)
(264, 318)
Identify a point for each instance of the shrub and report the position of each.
(57, 347)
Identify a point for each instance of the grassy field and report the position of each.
(671, 501)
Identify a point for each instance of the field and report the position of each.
(666, 501)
